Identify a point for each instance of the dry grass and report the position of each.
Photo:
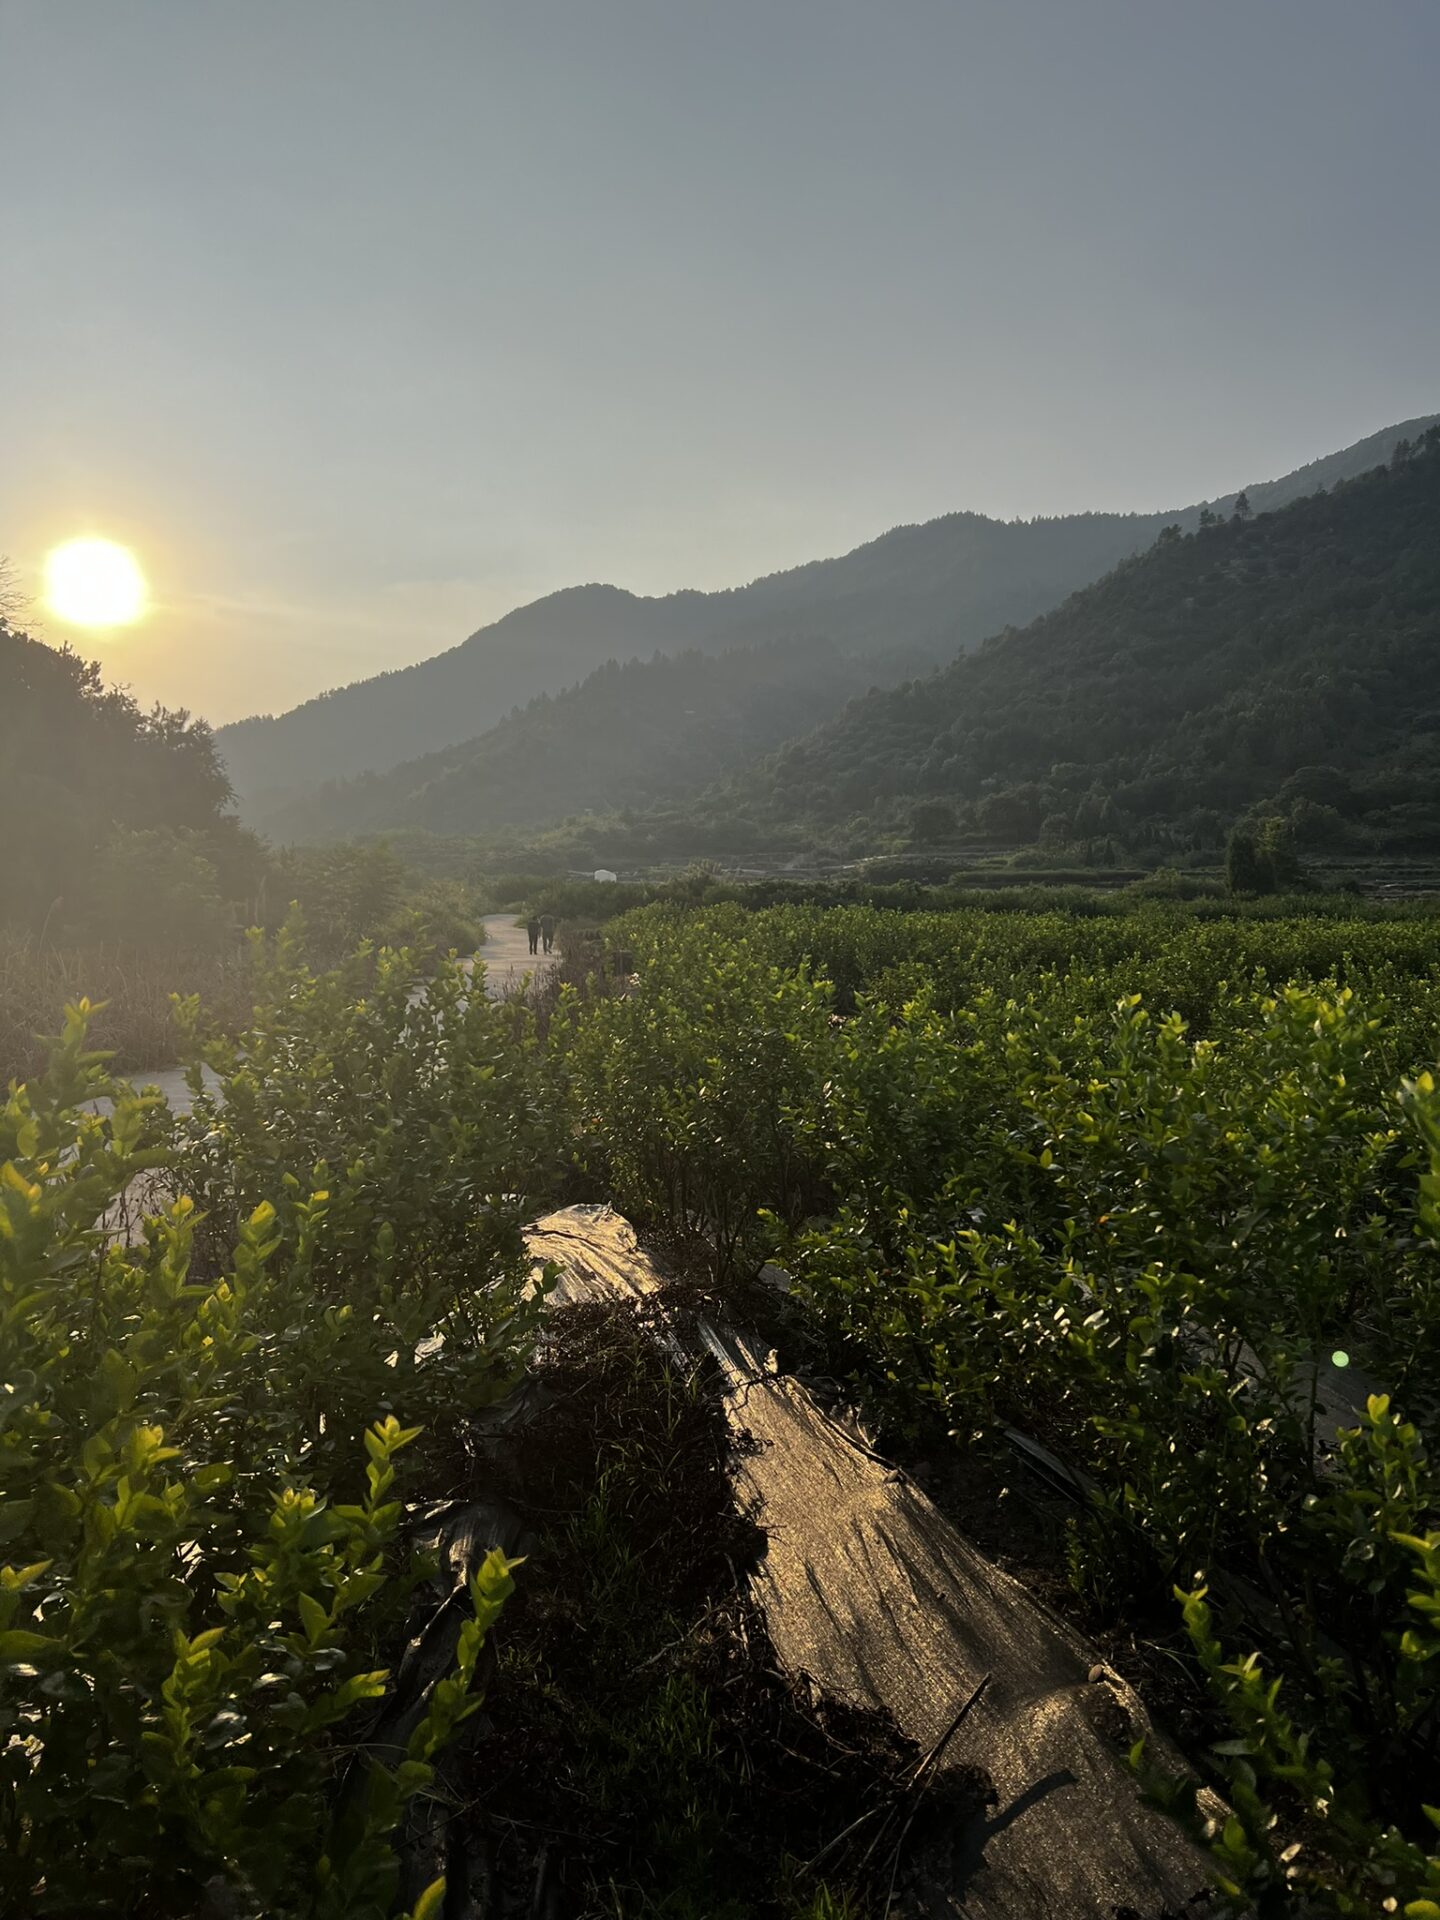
(137, 1021)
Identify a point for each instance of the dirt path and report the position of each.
(507, 955)
(868, 1591)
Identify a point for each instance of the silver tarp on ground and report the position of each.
(870, 1592)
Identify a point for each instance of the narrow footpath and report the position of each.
(507, 956)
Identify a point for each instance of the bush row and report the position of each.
(1017, 1191)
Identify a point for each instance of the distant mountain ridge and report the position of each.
(628, 736)
(1288, 661)
(909, 599)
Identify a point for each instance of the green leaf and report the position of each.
(428, 1906)
(19, 1647)
(316, 1620)
(119, 1381)
(12, 1579)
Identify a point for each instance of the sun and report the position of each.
(94, 583)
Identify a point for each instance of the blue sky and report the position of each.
(364, 322)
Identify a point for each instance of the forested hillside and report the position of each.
(1289, 660)
(904, 601)
(114, 817)
(128, 879)
(907, 600)
(628, 736)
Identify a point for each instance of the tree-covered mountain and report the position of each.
(907, 600)
(1288, 661)
(117, 820)
(627, 736)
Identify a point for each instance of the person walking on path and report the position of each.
(532, 928)
(547, 929)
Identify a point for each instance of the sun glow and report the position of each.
(94, 583)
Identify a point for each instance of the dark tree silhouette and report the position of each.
(82, 766)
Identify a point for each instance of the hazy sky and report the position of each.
(363, 321)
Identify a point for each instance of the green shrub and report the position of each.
(1153, 1289)
(395, 1122)
(156, 887)
(1136, 1239)
(681, 1094)
(204, 1572)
